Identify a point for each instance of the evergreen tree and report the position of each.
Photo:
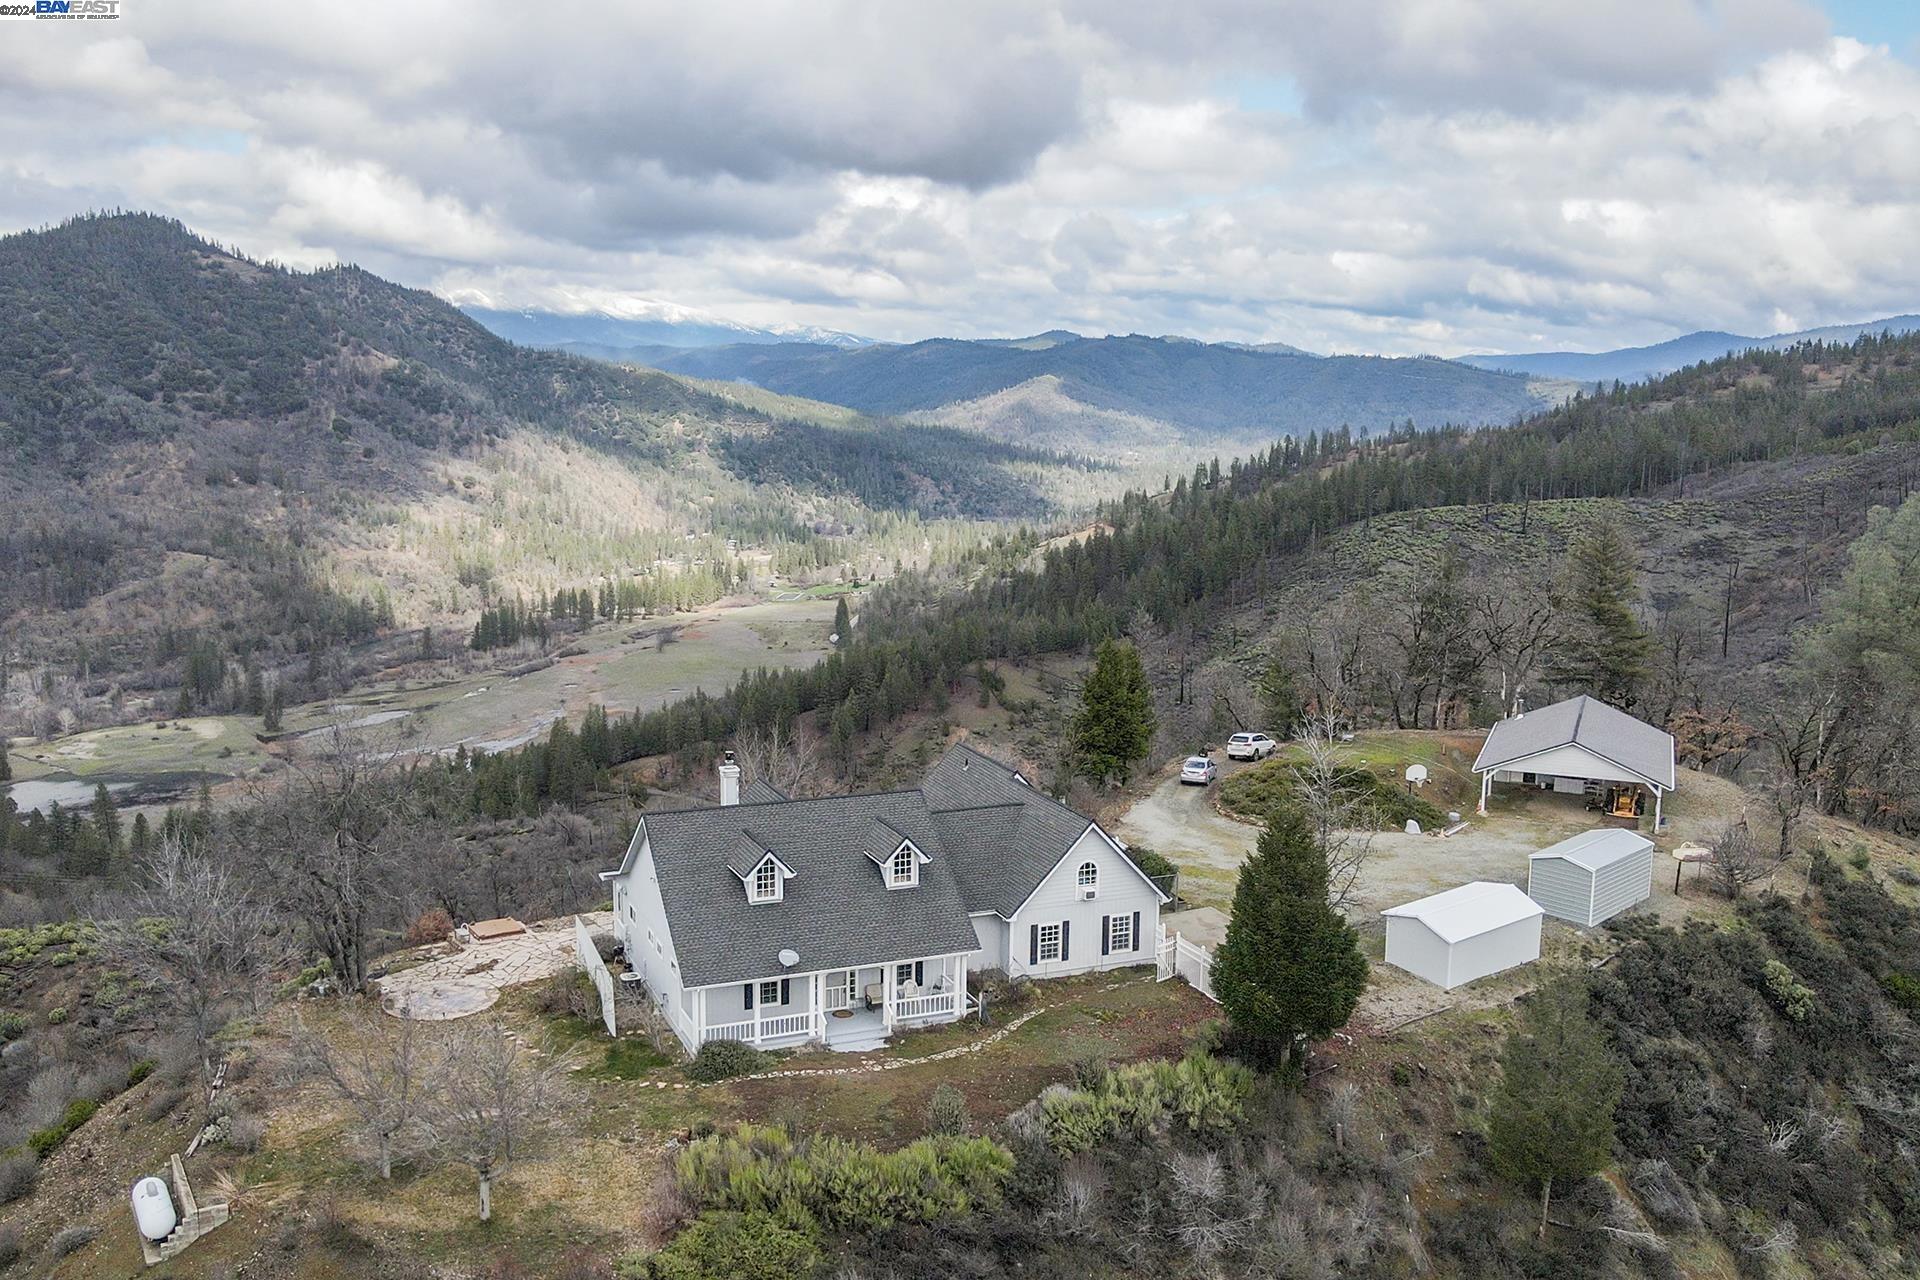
(270, 720)
(1552, 1115)
(842, 624)
(106, 819)
(256, 695)
(141, 838)
(6, 766)
(1605, 651)
(1279, 700)
(1114, 727)
(1290, 971)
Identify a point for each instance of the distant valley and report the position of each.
(1638, 364)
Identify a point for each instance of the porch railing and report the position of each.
(924, 1006)
(768, 1028)
(727, 1031)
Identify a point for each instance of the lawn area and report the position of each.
(1120, 1016)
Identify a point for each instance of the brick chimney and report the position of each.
(729, 779)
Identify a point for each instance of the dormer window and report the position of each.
(1088, 879)
(904, 869)
(766, 882)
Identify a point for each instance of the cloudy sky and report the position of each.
(1346, 175)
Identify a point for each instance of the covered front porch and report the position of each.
(850, 1008)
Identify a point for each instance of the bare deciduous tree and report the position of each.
(488, 1096)
(380, 1073)
(333, 834)
(1342, 822)
(204, 943)
(1737, 859)
(786, 758)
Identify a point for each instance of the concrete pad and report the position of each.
(461, 985)
(1204, 925)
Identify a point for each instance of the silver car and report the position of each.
(1199, 770)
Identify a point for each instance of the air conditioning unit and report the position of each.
(1088, 892)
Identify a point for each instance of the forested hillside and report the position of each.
(200, 448)
(1741, 487)
(1206, 394)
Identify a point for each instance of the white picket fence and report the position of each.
(1175, 957)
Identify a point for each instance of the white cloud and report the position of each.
(1450, 174)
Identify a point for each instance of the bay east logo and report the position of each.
(57, 9)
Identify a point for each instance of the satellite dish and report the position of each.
(1416, 774)
(789, 957)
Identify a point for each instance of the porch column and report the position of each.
(887, 979)
(759, 1007)
(700, 1020)
(1657, 795)
(816, 988)
(1486, 785)
(960, 990)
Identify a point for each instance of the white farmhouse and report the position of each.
(1583, 747)
(779, 922)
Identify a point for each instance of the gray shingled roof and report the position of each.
(1611, 734)
(989, 839)
(836, 910)
(759, 791)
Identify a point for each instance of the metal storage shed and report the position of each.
(1592, 876)
(1464, 933)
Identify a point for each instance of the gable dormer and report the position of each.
(761, 872)
(898, 858)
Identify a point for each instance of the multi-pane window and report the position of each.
(1049, 942)
(770, 993)
(1088, 877)
(1120, 933)
(766, 881)
(901, 869)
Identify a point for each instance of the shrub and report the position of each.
(1202, 1093)
(569, 994)
(246, 1131)
(72, 1240)
(16, 1177)
(947, 1112)
(725, 1059)
(1794, 997)
(739, 1246)
(430, 926)
(1903, 989)
(44, 1142)
(162, 1102)
(140, 1071)
(999, 994)
(9, 1246)
(56, 1015)
(845, 1185)
(12, 1025)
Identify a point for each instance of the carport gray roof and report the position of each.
(1587, 723)
(836, 911)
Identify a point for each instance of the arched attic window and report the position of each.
(1088, 878)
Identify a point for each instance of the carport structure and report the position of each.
(1584, 747)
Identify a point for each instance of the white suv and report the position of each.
(1250, 746)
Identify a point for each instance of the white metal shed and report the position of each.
(1592, 876)
(1464, 933)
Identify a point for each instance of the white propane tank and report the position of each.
(153, 1209)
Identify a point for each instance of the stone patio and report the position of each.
(458, 986)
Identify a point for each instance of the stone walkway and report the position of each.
(458, 986)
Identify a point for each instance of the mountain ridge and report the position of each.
(1638, 364)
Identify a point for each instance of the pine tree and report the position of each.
(1290, 971)
(1279, 700)
(1605, 651)
(842, 624)
(270, 721)
(106, 819)
(1114, 727)
(1552, 1115)
(6, 766)
(141, 838)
